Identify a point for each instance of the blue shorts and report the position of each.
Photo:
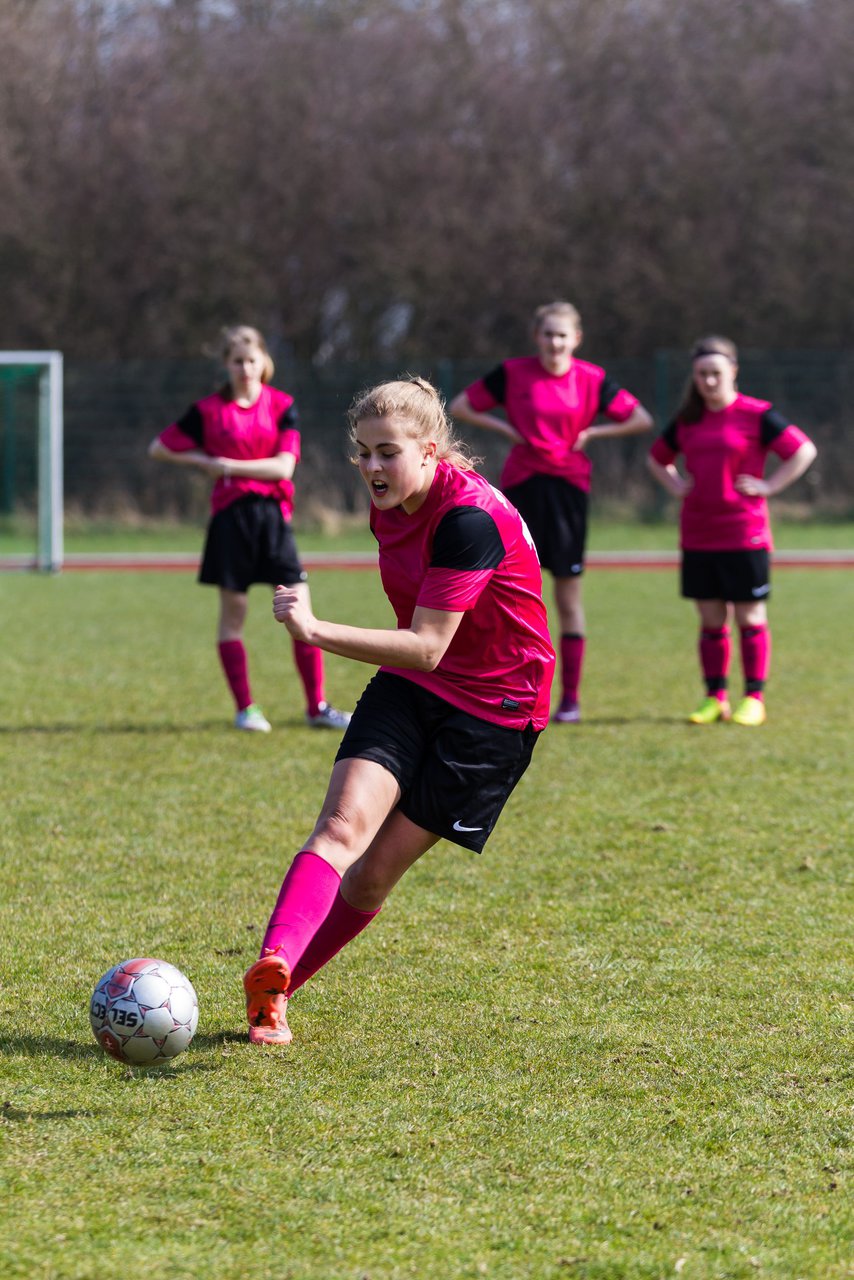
(455, 771)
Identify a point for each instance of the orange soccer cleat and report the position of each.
(266, 983)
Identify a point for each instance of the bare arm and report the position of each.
(461, 407)
(677, 485)
(639, 421)
(188, 458)
(419, 647)
(787, 473)
(279, 467)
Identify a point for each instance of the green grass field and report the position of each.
(616, 1046)
(18, 537)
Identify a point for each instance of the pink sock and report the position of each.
(304, 900)
(309, 662)
(340, 927)
(571, 661)
(714, 659)
(755, 658)
(232, 655)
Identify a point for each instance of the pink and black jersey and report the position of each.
(722, 445)
(550, 411)
(467, 550)
(224, 429)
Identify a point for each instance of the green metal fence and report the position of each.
(113, 410)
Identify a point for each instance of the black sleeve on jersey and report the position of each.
(467, 538)
(668, 435)
(192, 424)
(772, 425)
(496, 383)
(290, 418)
(607, 391)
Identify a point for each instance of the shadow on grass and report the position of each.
(202, 726)
(42, 1046)
(218, 1039)
(75, 1050)
(20, 1115)
(220, 725)
(595, 722)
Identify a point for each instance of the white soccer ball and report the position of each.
(144, 1012)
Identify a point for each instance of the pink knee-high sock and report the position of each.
(571, 661)
(305, 897)
(714, 658)
(755, 658)
(232, 655)
(309, 663)
(341, 926)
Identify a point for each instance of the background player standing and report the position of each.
(552, 402)
(245, 438)
(725, 438)
(445, 729)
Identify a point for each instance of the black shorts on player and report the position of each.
(734, 576)
(250, 541)
(455, 771)
(555, 512)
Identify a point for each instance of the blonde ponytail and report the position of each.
(419, 405)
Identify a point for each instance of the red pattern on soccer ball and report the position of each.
(144, 1011)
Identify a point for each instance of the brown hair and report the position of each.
(418, 402)
(230, 335)
(556, 309)
(692, 405)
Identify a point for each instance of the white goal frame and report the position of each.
(48, 365)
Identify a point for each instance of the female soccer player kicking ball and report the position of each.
(725, 438)
(445, 729)
(552, 402)
(245, 438)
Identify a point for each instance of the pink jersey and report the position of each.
(550, 411)
(226, 430)
(467, 550)
(722, 445)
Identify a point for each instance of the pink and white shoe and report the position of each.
(568, 712)
(280, 1034)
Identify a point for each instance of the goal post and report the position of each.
(46, 367)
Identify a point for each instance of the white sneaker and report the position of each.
(253, 719)
(328, 718)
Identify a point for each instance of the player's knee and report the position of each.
(340, 835)
(752, 615)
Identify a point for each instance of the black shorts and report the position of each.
(454, 770)
(555, 511)
(734, 576)
(250, 541)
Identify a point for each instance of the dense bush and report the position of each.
(375, 178)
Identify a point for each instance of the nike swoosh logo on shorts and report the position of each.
(458, 826)
(760, 591)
